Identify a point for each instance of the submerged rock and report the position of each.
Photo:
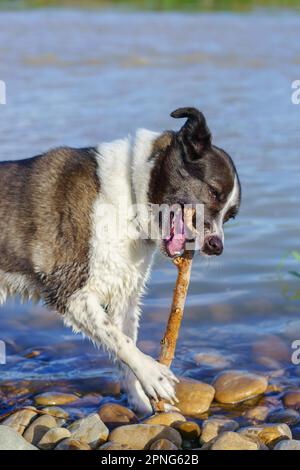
(290, 417)
(291, 399)
(12, 440)
(194, 397)
(114, 415)
(257, 414)
(189, 430)
(55, 398)
(90, 430)
(237, 386)
(142, 436)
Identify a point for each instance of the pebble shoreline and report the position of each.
(201, 421)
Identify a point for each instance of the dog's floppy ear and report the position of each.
(194, 134)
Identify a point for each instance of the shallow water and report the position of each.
(77, 78)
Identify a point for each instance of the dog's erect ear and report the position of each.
(194, 134)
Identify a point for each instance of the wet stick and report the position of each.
(168, 343)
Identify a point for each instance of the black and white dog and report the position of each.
(56, 245)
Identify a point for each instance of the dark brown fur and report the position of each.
(45, 225)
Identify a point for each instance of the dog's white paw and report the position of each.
(157, 380)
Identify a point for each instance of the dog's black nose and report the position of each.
(213, 245)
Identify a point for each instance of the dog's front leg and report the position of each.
(86, 315)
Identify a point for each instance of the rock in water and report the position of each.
(114, 415)
(55, 398)
(212, 427)
(233, 441)
(292, 399)
(142, 436)
(90, 430)
(166, 419)
(38, 428)
(237, 386)
(72, 444)
(267, 433)
(21, 419)
(288, 445)
(12, 440)
(194, 397)
(53, 437)
(163, 444)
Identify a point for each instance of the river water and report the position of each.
(81, 77)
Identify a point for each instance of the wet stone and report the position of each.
(21, 419)
(72, 444)
(110, 445)
(290, 417)
(268, 433)
(12, 440)
(212, 427)
(56, 412)
(166, 419)
(163, 444)
(55, 398)
(142, 436)
(194, 397)
(291, 399)
(114, 415)
(233, 441)
(90, 430)
(189, 430)
(212, 359)
(288, 445)
(52, 438)
(257, 414)
(237, 386)
(38, 428)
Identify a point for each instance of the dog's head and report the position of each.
(190, 170)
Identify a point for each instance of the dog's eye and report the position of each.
(213, 193)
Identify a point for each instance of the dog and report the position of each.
(56, 245)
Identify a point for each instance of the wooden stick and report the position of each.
(168, 343)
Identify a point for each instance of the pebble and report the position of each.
(166, 419)
(38, 428)
(291, 399)
(72, 444)
(189, 430)
(163, 444)
(272, 347)
(233, 441)
(194, 397)
(291, 444)
(56, 412)
(257, 414)
(54, 398)
(53, 437)
(212, 427)
(114, 415)
(212, 359)
(268, 433)
(237, 386)
(12, 440)
(141, 436)
(90, 430)
(290, 417)
(21, 419)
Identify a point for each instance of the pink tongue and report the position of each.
(176, 243)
